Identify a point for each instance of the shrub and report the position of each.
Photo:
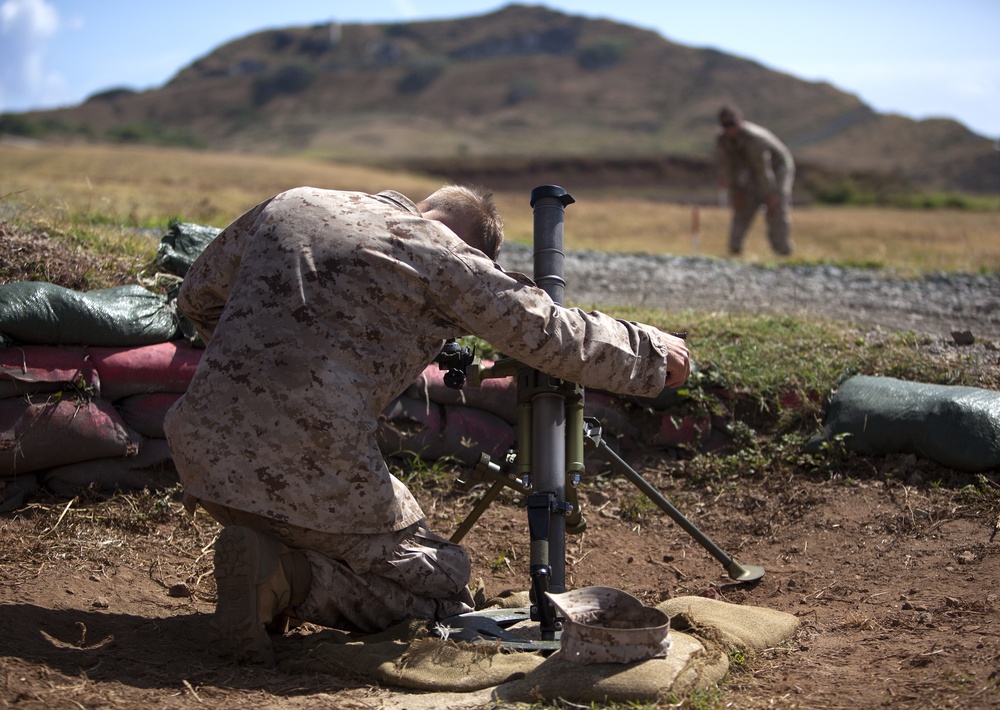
(287, 79)
(420, 75)
(522, 89)
(18, 125)
(602, 53)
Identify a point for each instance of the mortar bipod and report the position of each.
(735, 570)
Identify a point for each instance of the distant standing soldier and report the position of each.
(757, 169)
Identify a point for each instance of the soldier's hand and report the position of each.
(678, 361)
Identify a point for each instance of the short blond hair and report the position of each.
(472, 211)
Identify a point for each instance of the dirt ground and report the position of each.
(891, 563)
(893, 576)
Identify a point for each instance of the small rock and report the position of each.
(101, 603)
(179, 590)
(597, 498)
(963, 337)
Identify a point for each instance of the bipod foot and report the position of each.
(744, 573)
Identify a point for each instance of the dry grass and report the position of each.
(909, 240)
(143, 185)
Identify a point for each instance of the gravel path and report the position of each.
(936, 304)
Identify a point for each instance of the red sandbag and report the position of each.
(609, 410)
(144, 413)
(37, 433)
(435, 431)
(30, 369)
(163, 367)
(15, 490)
(683, 430)
(144, 470)
(497, 396)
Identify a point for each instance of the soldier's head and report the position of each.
(730, 118)
(470, 212)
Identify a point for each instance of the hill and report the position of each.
(522, 83)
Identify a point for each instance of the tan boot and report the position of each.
(258, 578)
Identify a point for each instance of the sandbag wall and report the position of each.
(435, 421)
(79, 418)
(91, 418)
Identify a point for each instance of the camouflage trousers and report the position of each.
(747, 202)
(370, 582)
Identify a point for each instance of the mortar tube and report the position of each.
(548, 427)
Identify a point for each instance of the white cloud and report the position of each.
(25, 28)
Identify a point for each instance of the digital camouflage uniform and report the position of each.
(319, 308)
(755, 164)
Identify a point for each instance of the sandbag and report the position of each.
(428, 664)
(181, 245)
(32, 369)
(683, 430)
(958, 427)
(497, 395)
(692, 664)
(144, 413)
(163, 367)
(46, 314)
(14, 491)
(108, 475)
(435, 431)
(737, 626)
(705, 630)
(405, 656)
(38, 433)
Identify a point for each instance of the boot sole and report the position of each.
(236, 630)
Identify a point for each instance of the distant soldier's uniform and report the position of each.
(755, 165)
(319, 308)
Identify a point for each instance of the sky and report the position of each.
(917, 58)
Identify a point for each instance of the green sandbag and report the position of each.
(958, 427)
(181, 245)
(45, 314)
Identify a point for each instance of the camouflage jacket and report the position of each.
(319, 308)
(755, 159)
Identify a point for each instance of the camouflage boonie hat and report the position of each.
(605, 625)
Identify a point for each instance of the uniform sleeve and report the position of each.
(760, 165)
(768, 154)
(210, 279)
(592, 349)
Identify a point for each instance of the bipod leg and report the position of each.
(735, 570)
(484, 469)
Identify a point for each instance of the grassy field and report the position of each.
(94, 197)
(142, 186)
(887, 525)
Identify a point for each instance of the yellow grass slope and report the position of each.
(144, 185)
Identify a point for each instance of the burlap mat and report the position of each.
(410, 656)
(690, 665)
(735, 626)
